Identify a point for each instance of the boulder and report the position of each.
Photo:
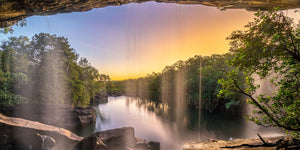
(115, 139)
(141, 144)
(92, 142)
(154, 145)
(85, 115)
(100, 98)
(17, 133)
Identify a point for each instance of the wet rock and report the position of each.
(85, 115)
(154, 145)
(92, 142)
(115, 139)
(17, 133)
(100, 98)
(141, 144)
(118, 138)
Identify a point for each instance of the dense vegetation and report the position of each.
(46, 69)
(185, 82)
(269, 49)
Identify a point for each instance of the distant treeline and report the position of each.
(184, 82)
(46, 69)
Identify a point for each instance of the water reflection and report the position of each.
(157, 122)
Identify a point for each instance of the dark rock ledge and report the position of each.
(64, 116)
(17, 133)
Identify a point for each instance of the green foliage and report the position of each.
(182, 79)
(268, 49)
(7, 88)
(11, 30)
(115, 86)
(6, 30)
(46, 70)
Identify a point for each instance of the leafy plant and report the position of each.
(268, 49)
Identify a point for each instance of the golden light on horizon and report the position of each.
(181, 32)
(134, 40)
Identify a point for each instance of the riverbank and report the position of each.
(268, 143)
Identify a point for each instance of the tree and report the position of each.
(13, 69)
(269, 46)
(7, 30)
(179, 83)
(45, 69)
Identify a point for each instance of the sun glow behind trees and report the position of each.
(141, 38)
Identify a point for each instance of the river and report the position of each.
(154, 125)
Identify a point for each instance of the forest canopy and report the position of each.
(45, 69)
(193, 82)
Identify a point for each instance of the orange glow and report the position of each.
(187, 30)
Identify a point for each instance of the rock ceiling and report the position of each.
(12, 11)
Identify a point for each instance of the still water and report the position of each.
(157, 124)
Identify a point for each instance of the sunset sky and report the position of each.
(132, 40)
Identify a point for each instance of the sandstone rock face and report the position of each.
(12, 11)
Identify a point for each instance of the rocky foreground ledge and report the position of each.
(59, 115)
(17, 133)
(270, 143)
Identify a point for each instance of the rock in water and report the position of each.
(47, 141)
(100, 98)
(21, 134)
(84, 115)
(154, 145)
(115, 139)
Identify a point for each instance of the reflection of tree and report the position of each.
(213, 125)
(178, 85)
